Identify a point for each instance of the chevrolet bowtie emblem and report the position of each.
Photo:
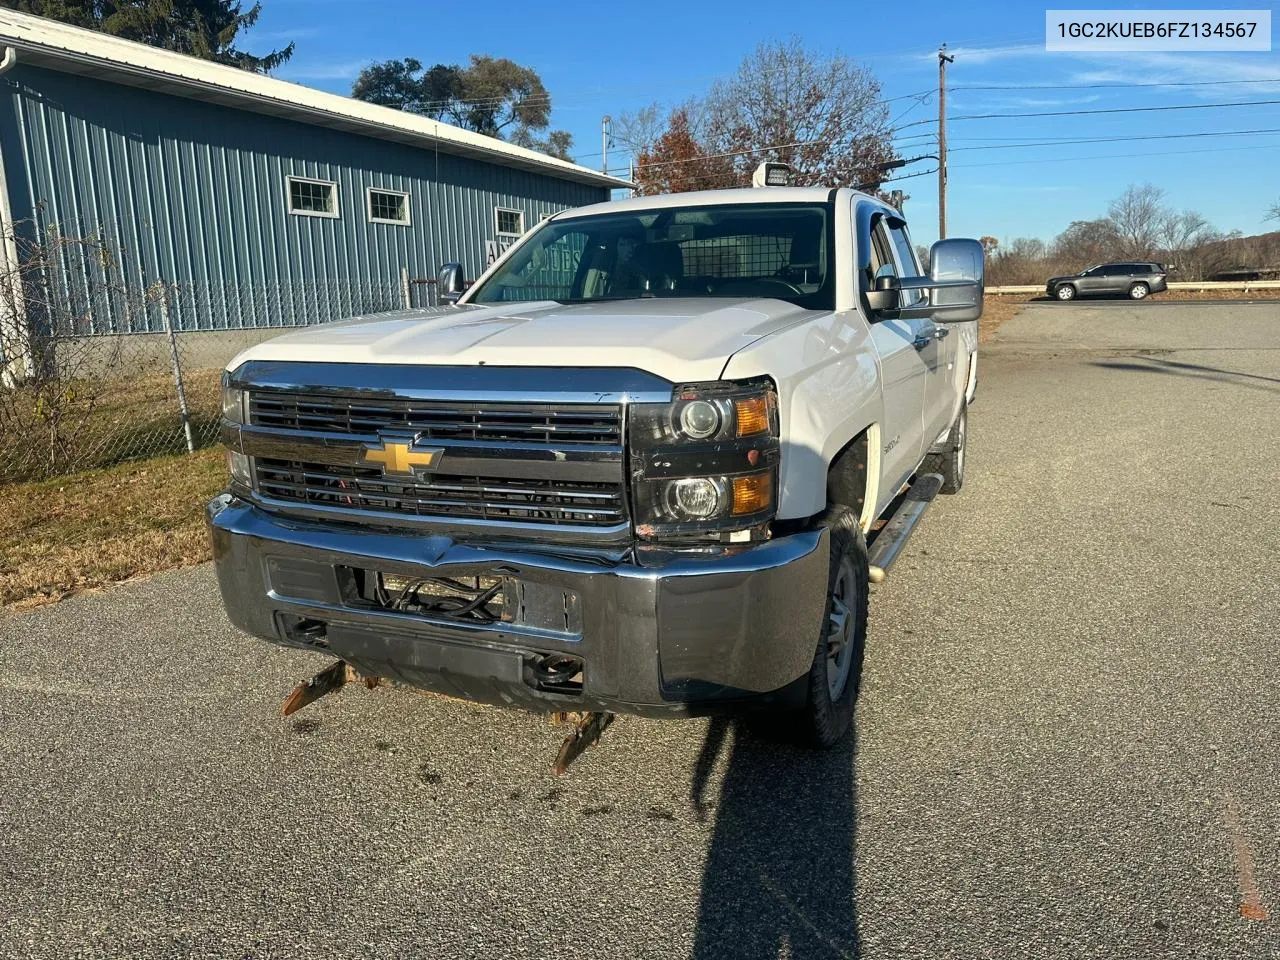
(402, 457)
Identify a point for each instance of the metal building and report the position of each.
(248, 200)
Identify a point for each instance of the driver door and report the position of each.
(938, 353)
(899, 343)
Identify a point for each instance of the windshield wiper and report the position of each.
(577, 300)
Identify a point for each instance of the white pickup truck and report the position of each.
(633, 468)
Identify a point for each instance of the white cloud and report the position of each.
(336, 70)
(1229, 74)
(979, 55)
(283, 36)
(1033, 102)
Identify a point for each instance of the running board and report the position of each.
(895, 534)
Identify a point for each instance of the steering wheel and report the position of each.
(752, 285)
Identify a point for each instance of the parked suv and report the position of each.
(1135, 280)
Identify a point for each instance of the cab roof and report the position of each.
(708, 198)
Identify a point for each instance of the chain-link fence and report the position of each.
(95, 371)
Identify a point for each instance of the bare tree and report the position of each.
(640, 129)
(1086, 242)
(1274, 212)
(1137, 215)
(1182, 236)
(822, 115)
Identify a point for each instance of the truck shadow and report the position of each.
(1196, 371)
(780, 876)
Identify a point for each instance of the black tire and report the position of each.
(1064, 292)
(950, 463)
(827, 716)
(1139, 291)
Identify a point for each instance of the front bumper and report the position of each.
(670, 633)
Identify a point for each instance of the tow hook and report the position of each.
(587, 728)
(328, 680)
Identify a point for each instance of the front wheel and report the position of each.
(1139, 291)
(836, 671)
(1065, 292)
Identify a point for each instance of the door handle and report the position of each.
(921, 342)
(941, 333)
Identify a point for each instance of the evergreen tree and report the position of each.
(200, 28)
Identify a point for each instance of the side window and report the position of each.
(882, 262)
(906, 252)
(907, 262)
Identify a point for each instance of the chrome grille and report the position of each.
(550, 424)
(442, 495)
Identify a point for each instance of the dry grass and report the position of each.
(1267, 294)
(996, 310)
(103, 420)
(62, 536)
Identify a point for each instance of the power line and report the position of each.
(1066, 141)
(1083, 113)
(1108, 156)
(1105, 86)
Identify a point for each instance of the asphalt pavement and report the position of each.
(1066, 742)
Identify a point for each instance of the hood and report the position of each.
(1069, 276)
(678, 339)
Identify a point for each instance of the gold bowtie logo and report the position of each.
(402, 458)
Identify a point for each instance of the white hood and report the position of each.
(681, 340)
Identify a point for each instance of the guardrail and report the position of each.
(1202, 286)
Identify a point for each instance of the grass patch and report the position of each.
(87, 422)
(1265, 294)
(62, 536)
(996, 310)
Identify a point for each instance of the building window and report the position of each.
(312, 198)
(510, 223)
(388, 206)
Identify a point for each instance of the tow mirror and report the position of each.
(957, 273)
(954, 285)
(450, 283)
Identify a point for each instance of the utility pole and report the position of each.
(604, 143)
(943, 60)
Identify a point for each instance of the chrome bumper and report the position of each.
(671, 633)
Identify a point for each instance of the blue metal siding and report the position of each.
(193, 194)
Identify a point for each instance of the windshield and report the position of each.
(778, 250)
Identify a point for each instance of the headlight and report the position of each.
(699, 419)
(705, 465)
(233, 401)
(694, 498)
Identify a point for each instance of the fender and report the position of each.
(828, 379)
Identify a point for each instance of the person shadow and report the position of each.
(780, 876)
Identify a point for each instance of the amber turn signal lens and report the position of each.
(752, 494)
(752, 415)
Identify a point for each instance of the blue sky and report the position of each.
(598, 60)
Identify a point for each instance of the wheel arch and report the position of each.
(853, 475)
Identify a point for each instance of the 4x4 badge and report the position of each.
(402, 458)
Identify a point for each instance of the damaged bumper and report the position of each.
(660, 634)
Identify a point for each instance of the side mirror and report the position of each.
(954, 285)
(884, 295)
(450, 283)
(957, 271)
